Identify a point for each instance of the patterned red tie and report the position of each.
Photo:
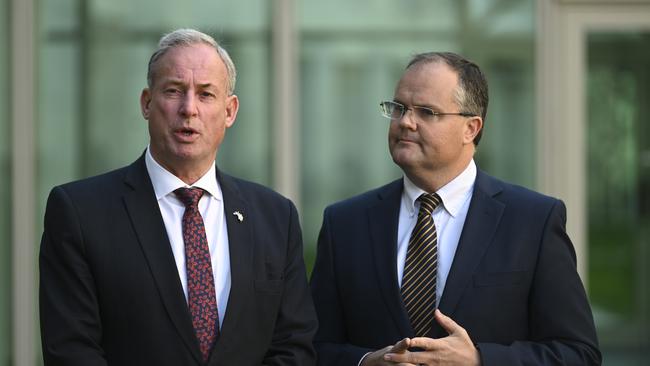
(200, 281)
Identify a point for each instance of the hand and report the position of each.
(455, 349)
(377, 358)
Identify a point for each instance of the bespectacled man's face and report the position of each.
(188, 107)
(439, 146)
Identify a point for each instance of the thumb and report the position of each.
(400, 346)
(446, 322)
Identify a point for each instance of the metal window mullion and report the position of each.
(286, 129)
(23, 168)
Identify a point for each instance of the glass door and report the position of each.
(593, 137)
(618, 192)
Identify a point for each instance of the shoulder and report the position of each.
(95, 186)
(85, 198)
(250, 191)
(99, 180)
(388, 193)
(515, 197)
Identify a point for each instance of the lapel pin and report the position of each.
(239, 216)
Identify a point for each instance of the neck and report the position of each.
(189, 177)
(187, 171)
(432, 181)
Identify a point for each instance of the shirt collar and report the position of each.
(453, 194)
(164, 182)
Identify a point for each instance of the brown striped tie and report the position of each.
(421, 267)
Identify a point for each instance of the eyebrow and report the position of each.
(207, 85)
(177, 82)
(432, 107)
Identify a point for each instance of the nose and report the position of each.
(188, 107)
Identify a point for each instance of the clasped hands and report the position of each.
(455, 349)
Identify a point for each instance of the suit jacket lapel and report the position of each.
(140, 201)
(480, 225)
(240, 243)
(383, 218)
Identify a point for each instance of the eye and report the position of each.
(396, 109)
(207, 94)
(425, 112)
(171, 91)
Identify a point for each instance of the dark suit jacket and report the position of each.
(513, 283)
(110, 293)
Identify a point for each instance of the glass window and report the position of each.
(352, 55)
(618, 138)
(93, 59)
(92, 65)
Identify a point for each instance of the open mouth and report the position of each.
(185, 133)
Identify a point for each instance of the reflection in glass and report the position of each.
(619, 193)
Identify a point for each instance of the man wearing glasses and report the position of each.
(447, 265)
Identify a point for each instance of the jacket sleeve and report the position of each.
(562, 330)
(331, 343)
(296, 320)
(70, 322)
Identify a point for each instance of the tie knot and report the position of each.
(189, 196)
(429, 202)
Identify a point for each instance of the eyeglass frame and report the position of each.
(413, 108)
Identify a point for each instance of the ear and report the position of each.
(232, 106)
(473, 126)
(145, 101)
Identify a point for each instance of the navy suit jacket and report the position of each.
(110, 293)
(513, 283)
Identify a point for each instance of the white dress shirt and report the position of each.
(211, 209)
(449, 218)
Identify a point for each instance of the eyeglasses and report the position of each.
(395, 111)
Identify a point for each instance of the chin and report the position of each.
(402, 155)
(402, 162)
(185, 149)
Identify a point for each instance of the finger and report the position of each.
(427, 344)
(406, 358)
(446, 322)
(401, 346)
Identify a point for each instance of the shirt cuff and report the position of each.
(362, 358)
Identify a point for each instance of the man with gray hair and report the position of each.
(169, 261)
(447, 265)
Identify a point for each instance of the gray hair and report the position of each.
(187, 37)
(472, 92)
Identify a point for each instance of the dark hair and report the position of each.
(472, 92)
